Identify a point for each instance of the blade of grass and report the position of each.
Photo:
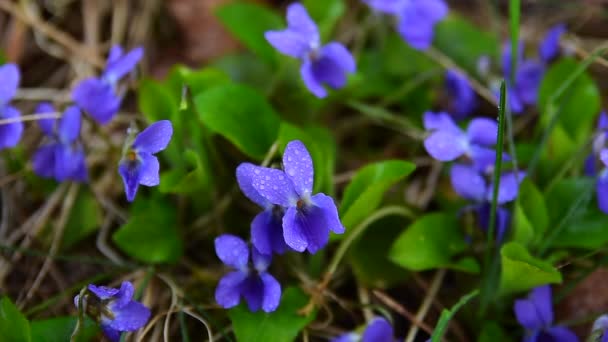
(514, 16)
(447, 315)
(497, 172)
(490, 267)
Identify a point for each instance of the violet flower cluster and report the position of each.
(377, 330)
(600, 152)
(61, 155)
(99, 96)
(114, 309)
(522, 90)
(535, 314)
(10, 133)
(249, 279)
(461, 97)
(416, 19)
(471, 176)
(321, 64)
(138, 165)
(292, 219)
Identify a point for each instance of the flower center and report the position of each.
(131, 156)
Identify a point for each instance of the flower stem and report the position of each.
(346, 243)
(490, 264)
(81, 312)
(426, 304)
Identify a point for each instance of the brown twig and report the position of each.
(447, 63)
(52, 32)
(388, 301)
(66, 209)
(426, 304)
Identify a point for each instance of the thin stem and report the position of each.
(81, 312)
(447, 63)
(358, 230)
(426, 304)
(491, 264)
(497, 172)
(514, 14)
(346, 243)
(514, 18)
(31, 117)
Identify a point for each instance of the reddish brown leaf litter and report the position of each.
(588, 300)
(203, 36)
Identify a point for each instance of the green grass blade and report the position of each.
(446, 316)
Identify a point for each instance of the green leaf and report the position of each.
(248, 22)
(14, 327)
(156, 101)
(521, 271)
(446, 316)
(586, 230)
(464, 43)
(368, 257)
(85, 218)
(431, 242)
(492, 332)
(283, 325)
(577, 107)
(151, 233)
(326, 13)
(562, 196)
(241, 115)
(587, 226)
(322, 147)
(364, 193)
(59, 329)
(185, 181)
(531, 216)
(200, 80)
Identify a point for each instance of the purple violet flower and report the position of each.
(321, 65)
(549, 47)
(138, 164)
(469, 183)
(462, 99)
(535, 313)
(99, 96)
(378, 330)
(250, 279)
(600, 329)
(10, 133)
(114, 309)
(308, 218)
(591, 169)
(448, 142)
(62, 156)
(417, 21)
(267, 226)
(416, 18)
(601, 186)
